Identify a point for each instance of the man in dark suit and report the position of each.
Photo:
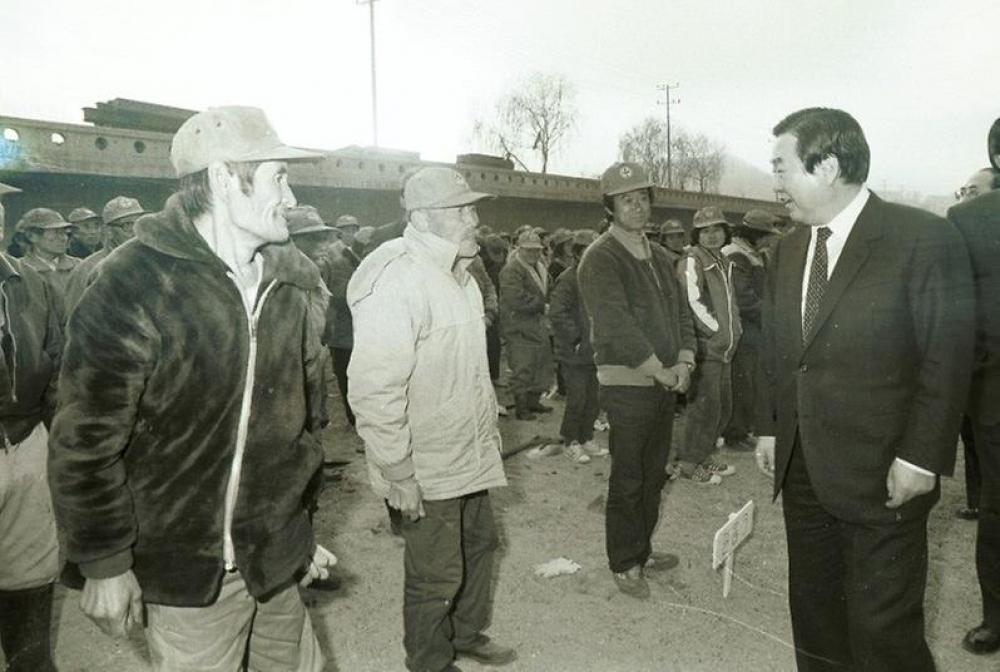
(978, 220)
(867, 342)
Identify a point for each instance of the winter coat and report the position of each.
(340, 264)
(31, 345)
(748, 285)
(522, 302)
(639, 320)
(420, 381)
(570, 325)
(708, 282)
(166, 382)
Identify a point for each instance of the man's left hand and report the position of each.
(683, 372)
(319, 566)
(904, 483)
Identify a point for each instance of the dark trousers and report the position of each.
(341, 358)
(988, 532)
(25, 620)
(973, 479)
(709, 406)
(582, 407)
(744, 390)
(855, 591)
(493, 350)
(641, 421)
(448, 565)
(530, 366)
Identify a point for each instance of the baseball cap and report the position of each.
(119, 207)
(761, 220)
(439, 187)
(232, 133)
(709, 216)
(529, 240)
(305, 219)
(7, 189)
(41, 218)
(81, 215)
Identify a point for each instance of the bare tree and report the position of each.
(697, 161)
(646, 144)
(536, 115)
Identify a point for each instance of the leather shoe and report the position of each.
(486, 652)
(981, 640)
(632, 583)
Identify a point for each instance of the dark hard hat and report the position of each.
(41, 218)
(305, 219)
(82, 215)
(623, 177)
(993, 144)
(761, 220)
(710, 215)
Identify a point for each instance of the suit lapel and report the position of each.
(790, 284)
(854, 255)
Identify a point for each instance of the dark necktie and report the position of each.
(817, 282)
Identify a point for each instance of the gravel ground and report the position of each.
(554, 508)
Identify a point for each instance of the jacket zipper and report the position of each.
(236, 470)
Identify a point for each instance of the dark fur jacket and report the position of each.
(149, 415)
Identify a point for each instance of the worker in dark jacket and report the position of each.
(644, 345)
(571, 333)
(30, 344)
(47, 235)
(524, 290)
(749, 269)
(85, 237)
(183, 459)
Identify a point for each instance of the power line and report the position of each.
(371, 19)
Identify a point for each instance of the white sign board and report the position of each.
(728, 538)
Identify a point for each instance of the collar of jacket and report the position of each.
(171, 232)
(435, 250)
(708, 259)
(634, 241)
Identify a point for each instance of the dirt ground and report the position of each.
(578, 623)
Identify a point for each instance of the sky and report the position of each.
(919, 75)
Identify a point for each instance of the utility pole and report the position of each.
(371, 19)
(667, 88)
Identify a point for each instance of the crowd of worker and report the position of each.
(178, 452)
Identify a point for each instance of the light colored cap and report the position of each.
(438, 187)
(305, 219)
(82, 215)
(364, 235)
(345, 221)
(710, 215)
(7, 189)
(41, 218)
(119, 207)
(529, 240)
(240, 134)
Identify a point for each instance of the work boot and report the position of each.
(521, 408)
(535, 405)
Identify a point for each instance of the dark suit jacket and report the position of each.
(884, 373)
(978, 221)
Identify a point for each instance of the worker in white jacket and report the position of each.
(426, 409)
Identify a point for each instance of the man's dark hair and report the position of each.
(821, 132)
(609, 203)
(196, 192)
(995, 182)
